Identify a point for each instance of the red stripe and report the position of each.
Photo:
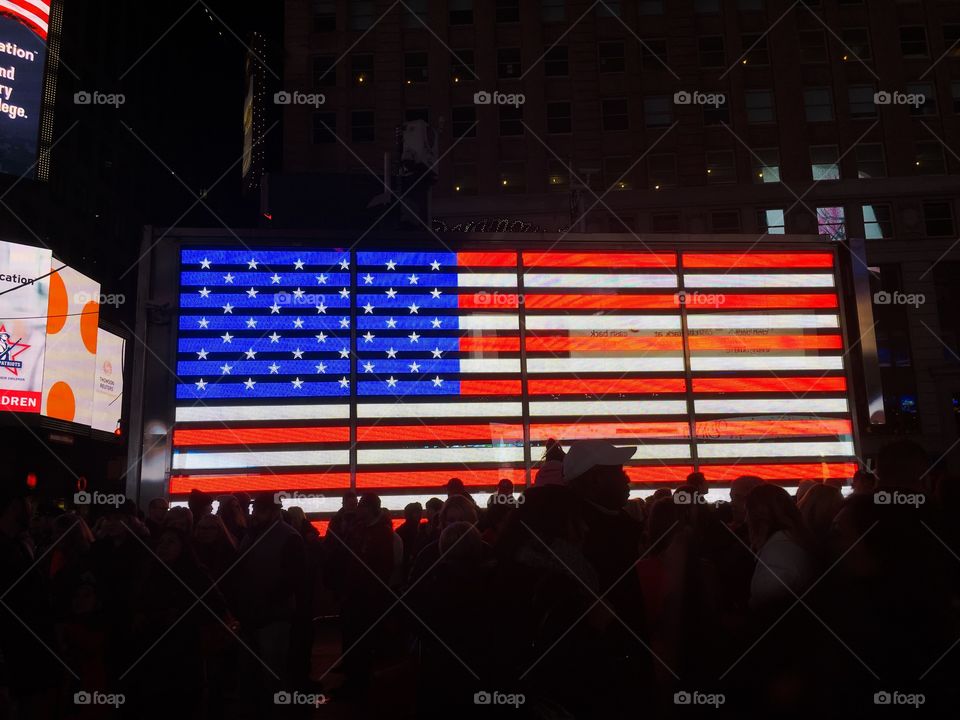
(769, 342)
(776, 428)
(601, 386)
(436, 478)
(645, 474)
(807, 301)
(43, 14)
(490, 387)
(594, 344)
(775, 384)
(757, 260)
(799, 471)
(614, 432)
(322, 525)
(580, 301)
(405, 433)
(486, 259)
(598, 259)
(180, 484)
(480, 344)
(260, 436)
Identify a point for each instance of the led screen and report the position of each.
(108, 382)
(320, 370)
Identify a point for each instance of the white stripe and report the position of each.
(438, 410)
(603, 364)
(496, 453)
(774, 449)
(490, 365)
(22, 12)
(216, 413)
(735, 361)
(665, 451)
(487, 280)
(711, 321)
(598, 280)
(603, 322)
(780, 406)
(618, 408)
(792, 280)
(258, 458)
(475, 321)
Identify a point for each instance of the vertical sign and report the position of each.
(108, 382)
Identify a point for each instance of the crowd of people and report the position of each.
(566, 600)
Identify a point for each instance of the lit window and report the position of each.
(415, 67)
(824, 162)
(877, 222)
(558, 177)
(830, 222)
(766, 166)
(772, 222)
(870, 161)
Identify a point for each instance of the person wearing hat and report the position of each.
(200, 504)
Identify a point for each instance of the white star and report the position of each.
(298, 323)
(204, 293)
(251, 323)
(367, 309)
(436, 294)
(322, 337)
(202, 354)
(297, 354)
(344, 265)
(273, 368)
(414, 309)
(391, 265)
(298, 265)
(298, 293)
(321, 368)
(437, 381)
(274, 309)
(205, 264)
(274, 338)
(344, 353)
(297, 383)
(344, 293)
(414, 367)
(435, 322)
(414, 337)
(321, 279)
(225, 369)
(437, 352)
(251, 354)
(203, 322)
(201, 385)
(252, 264)
(228, 308)
(249, 383)
(391, 381)
(368, 367)
(344, 322)
(275, 279)
(228, 278)
(368, 279)
(321, 308)
(227, 337)
(391, 293)
(344, 382)
(368, 337)
(391, 353)
(252, 294)
(434, 265)
(413, 279)
(391, 323)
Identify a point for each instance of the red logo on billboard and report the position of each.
(10, 350)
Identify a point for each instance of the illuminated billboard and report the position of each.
(394, 370)
(24, 288)
(108, 382)
(23, 50)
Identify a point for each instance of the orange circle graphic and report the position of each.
(58, 307)
(60, 402)
(88, 326)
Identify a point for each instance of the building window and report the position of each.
(362, 14)
(609, 8)
(930, 159)
(653, 54)
(813, 46)
(725, 221)
(324, 128)
(513, 177)
(361, 126)
(721, 167)
(559, 118)
(860, 99)
(615, 114)
(657, 112)
(706, 6)
(415, 67)
(877, 222)
(617, 173)
(856, 44)
(755, 50)
(461, 12)
(913, 42)
(951, 40)
(464, 121)
(929, 105)
(552, 11)
(870, 161)
(412, 114)
(750, 5)
(556, 62)
(772, 222)
(465, 179)
(508, 63)
(766, 166)
(558, 175)
(462, 67)
(611, 57)
(662, 171)
(324, 71)
(955, 93)
(508, 11)
(716, 114)
(818, 104)
(759, 106)
(511, 120)
(897, 376)
(830, 222)
(415, 15)
(824, 162)
(938, 219)
(650, 7)
(324, 15)
(711, 52)
(665, 223)
(361, 69)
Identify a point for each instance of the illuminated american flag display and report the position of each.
(316, 371)
(34, 13)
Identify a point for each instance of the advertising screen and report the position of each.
(395, 370)
(71, 351)
(23, 47)
(108, 382)
(24, 289)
